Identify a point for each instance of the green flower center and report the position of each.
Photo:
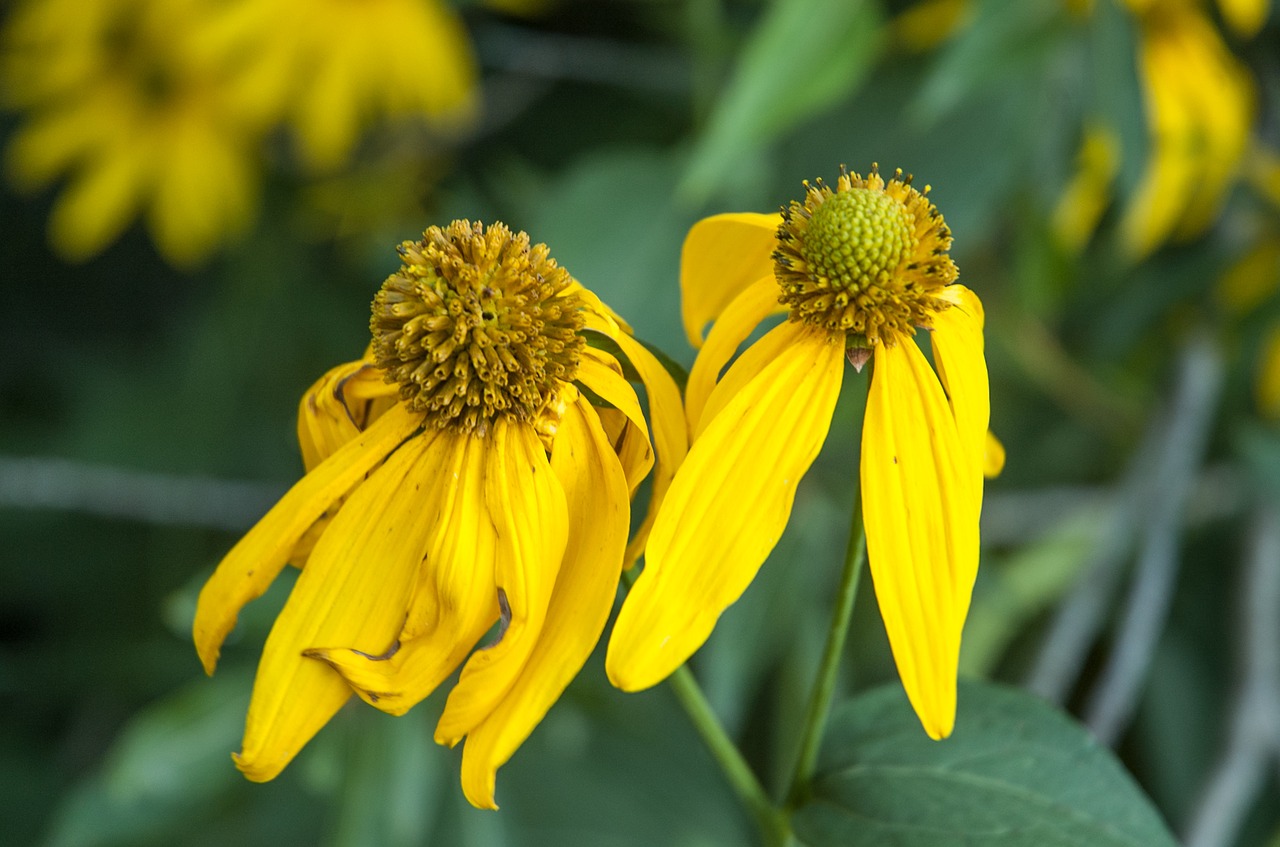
(857, 239)
(477, 324)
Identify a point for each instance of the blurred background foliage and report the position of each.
(201, 197)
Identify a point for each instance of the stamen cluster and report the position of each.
(477, 324)
(865, 260)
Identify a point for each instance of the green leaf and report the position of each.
(1015, 772)
(804, 56)
(172, 762)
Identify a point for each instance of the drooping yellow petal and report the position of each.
(722, 255)
(454, 601)
(1267, 389)
(599, 512)
(528, 507)
(1085, 198)
(726, 509)
(601, 373)
(246, 572)
(755, 359)
(354, 591)
(731, 328)
(958, 351)
(338, 407)
(670, 438)
(921, 525)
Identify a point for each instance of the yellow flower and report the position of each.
(458, 476)
(1200, 110)
(123, 101)
(860, 268)
(331, 68)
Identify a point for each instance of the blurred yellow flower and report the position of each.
(861, 268)
(332, 68)
(1200, 110)
(483, 487)
(121, 102)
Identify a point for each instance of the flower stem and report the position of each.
(824, 684)
(774, 829)
(773, 826)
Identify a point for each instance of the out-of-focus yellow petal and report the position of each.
(596, 371)
(454, 601)
(1085, 198)
(928, 23)
(1253, 279)
(1268, 385)
(725, 510)
(599, 513)
(100, 202)
(731, 328)
(992, 456)
(353, 591)
(958, 351)
(528, 507)
(256, 560)
(722, 255)
(670, 438)
(922, 527)
(1246, 17)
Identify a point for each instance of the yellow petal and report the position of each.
(1246, 17)
(755, 359)
(722, 255)
(353, 591)
(725, 511)
(1267, 388)
(599, 513)
(528, 507)
(992, 456)
(454, 602)
(922, 527)
(600, 373)
(669, 435)
(958, 351)
(731, 328)
(338, 407)
(247, 571)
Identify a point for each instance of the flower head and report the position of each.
(458, 477)
(861, 268)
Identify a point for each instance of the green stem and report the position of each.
(772, 823)
(824, 684)
(773, 826)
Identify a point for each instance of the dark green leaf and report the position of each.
(1015, 772)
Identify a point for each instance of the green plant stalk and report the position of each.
(771, 821)
(824, 684)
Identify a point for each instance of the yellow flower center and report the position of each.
(857, 239)
(865, 261)
(477, 324)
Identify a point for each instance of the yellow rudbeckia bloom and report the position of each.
(460, 476)
(860, 267)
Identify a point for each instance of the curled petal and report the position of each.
(248, 570)
(599, 513)
(527, 504)
(453, 602)
(338, 407)
(353, 591)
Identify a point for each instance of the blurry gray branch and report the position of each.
(154, 498)
(1253, 735)
(1152, 498)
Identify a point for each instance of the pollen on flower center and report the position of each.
(866, 260)
(477, 324)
